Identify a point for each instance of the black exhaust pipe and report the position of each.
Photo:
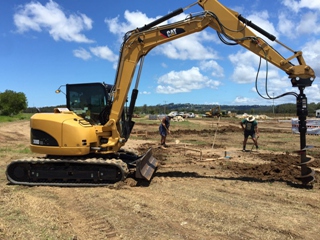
(160, 20)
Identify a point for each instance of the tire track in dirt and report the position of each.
(86, 221)
(171, 179)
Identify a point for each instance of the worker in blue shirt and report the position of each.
(164, 130)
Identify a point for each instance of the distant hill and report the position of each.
(287, 108)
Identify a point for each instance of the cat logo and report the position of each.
(171, 32)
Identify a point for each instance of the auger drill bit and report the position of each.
(307, 174)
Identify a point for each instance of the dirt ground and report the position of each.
(205, 187)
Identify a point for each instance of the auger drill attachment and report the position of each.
(307, 174)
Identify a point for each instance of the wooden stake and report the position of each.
(215, 134)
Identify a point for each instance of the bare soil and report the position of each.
(205, 187)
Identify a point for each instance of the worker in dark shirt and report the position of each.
(164, 130)
(250, 128)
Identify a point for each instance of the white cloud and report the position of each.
(309, 23)
(245, 65)
(184, 81)
(102, 52)
(244, 100)
(145, 93)
(82, 53)
(211, 103)
(132, 20)
(243, 74)
(190, 47)
(51, 18)
(261, 19)
(311, 53)
(297, 24)
(217, 70)
(296, 6)
(105, 53)
(313, 93)
(275, 83)
(278, 85)
(285, 26)
(256, 100)
(164, 65)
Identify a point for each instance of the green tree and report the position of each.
(145, 108)
(12, 103)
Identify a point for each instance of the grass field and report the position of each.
(21, 116)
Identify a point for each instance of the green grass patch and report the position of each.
(193, 142)
(25, 150)
(5, 149)
(146, 121)
(22, 149)
(21, 116)
(174, 125)
(16, 215)
(186, 125)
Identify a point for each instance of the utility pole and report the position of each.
(273, 103)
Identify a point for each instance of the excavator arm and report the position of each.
(231, 24)
(228, 24)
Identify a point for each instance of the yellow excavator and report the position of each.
(214, 112)
(83, 143)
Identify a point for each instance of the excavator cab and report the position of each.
(91, 101)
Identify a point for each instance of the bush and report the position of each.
(12, 103)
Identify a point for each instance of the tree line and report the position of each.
(12, 103)
(287, 108)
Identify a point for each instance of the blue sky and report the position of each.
(45, 44)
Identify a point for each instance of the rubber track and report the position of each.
(91, 161)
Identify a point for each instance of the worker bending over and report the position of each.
(164, 130)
